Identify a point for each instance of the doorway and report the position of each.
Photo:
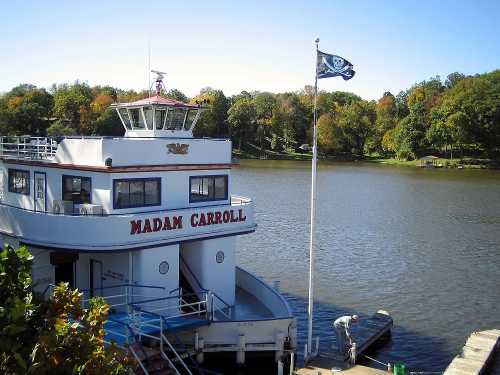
(40, 191)
(64, 267)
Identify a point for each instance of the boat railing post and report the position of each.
(161, 334)
(209, 303)
(316, 350)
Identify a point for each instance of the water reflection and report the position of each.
(422, 244)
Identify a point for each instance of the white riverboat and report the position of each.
(149, 222)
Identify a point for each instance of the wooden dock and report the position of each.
(475, 355)
(364, 333)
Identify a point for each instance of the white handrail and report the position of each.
(27, 147)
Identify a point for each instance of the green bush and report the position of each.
(51, 337)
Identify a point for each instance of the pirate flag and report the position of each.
(332, 66)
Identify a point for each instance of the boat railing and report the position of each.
(178, 306)
(122, 295)
(28, 147)
(237, 200)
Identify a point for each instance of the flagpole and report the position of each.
(313, 207)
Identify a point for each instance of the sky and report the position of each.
(245, 45)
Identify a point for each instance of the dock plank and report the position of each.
(476, 353)
(364, 333)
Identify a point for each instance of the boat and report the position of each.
(149, 222)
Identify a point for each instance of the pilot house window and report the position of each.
(208, 188)
(19, 181)
(140, 192)
(76, 189)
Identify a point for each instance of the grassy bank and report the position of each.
(466, 162)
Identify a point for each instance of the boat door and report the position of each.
(40, 191)
(95, 278)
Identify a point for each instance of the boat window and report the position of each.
(76, 189)
(175, 119)
(190, 118)
(138, 192)
(125, 118)
(207, 188)
(137, 120)
(19, 181)
(148, 114)
(160, 115)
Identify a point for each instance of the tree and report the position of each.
(357, 122)
(453, 78)
(25, 109)
(213, 121)
(177, 95)
(19, 315)
(386, 119)
(241, 117)
(73, 342)
(50, 337)
(331, 138)
(72, 106)
(264, 104)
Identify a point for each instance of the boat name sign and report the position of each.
(201, 219)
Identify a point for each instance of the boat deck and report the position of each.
(116, 326)
(248, 307)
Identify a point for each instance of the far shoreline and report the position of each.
(444, 163)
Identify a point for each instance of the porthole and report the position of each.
(219, 257)
(163, 267)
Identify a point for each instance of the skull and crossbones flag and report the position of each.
(332, 66)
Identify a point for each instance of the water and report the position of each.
(421, 244)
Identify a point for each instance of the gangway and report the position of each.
(135, 319)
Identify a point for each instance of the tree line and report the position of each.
(460, 114)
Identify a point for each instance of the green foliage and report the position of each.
(18, 313)
(463, 112)
(25, 109)
(213, 121)
(241, 118)
(177, 95)
(53, 337)
(74, 340)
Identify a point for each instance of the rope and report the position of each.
(374, 360)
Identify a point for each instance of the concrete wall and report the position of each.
(220, 278)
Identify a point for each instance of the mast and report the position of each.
(313, 207)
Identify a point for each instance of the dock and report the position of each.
(479, 348)
(322, 367)
(364, 333)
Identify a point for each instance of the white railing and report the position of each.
(119, 297)
(27, 147)
(237, 200)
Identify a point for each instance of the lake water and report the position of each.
(422, 244)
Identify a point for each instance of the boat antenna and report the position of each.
(159, 81)
(149, 67)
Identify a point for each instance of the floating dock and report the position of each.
(479, 348)
(364, 334)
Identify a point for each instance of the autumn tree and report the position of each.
(241, 118)
(25, 109)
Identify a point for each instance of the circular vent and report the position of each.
(163, 267)
(219, 257)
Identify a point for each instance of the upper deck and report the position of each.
(112, 152)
